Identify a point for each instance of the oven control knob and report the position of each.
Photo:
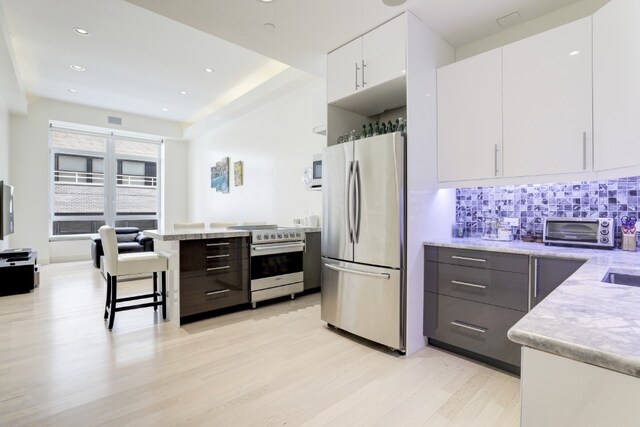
(279, 236)
(286, 235)
(298, 235)
(273, 236)
(604, 232)
(604, 223)
(259, 237)
(604, 239)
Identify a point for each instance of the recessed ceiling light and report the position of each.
(574, 53)
(183, 92)
(209, 70)
(266, 1)
(77, 68)
(270, 26)
(73, 91)
(394, 2)
(165, 109)
(81, 31)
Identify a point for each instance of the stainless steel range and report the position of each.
(276, 262)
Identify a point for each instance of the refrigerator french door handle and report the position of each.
(348, 202)
(358, 205)
(384, 276)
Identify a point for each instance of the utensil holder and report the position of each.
(629, 242)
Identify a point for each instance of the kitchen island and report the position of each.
(581, 344)
(183, 266)
(210, 269)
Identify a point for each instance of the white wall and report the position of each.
(275, 142)
(4, 157)
(29, 163)
(430, 211)
(546, 22)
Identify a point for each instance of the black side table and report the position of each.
(18, 276)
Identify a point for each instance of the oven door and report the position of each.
(276, 264)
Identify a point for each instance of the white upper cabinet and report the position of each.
(470, 118)
(616, 84)
(384, 52)
(547, 102)
(344, 70)
(375, 58)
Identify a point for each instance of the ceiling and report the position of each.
(139, 61)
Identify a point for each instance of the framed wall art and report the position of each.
(238, 173)
(220, 176)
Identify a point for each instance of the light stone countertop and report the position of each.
(207, 233)
(584, 319)
(194, 234)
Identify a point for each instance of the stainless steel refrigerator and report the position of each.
(363, 238)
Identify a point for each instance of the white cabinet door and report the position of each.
(470, 118)
(616, 84)
(547, 102)
(384, 52)
(344, 70)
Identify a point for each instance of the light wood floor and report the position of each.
(277, 365)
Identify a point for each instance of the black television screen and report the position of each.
(6, 210)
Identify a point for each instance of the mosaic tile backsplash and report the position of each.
(531, 203)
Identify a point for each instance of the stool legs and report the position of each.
(114, 295)
(155, 289)
(164, 294)
(108, 301)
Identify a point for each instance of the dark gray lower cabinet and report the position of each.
(472, 298)
(214, 274)
(548, 273)
(311, 261)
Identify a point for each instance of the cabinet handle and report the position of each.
(473, 328)
(584, 150)
(535, 277)
(218, 268)
(357, 69)
(495, 160)
(218, 244)
(223, 291)
(217, 256)
(363, 65)
(471, 285)
(464, 258)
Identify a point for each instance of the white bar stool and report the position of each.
(132, 263)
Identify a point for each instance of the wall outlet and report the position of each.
(513, 222)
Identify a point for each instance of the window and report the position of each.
(99, 179)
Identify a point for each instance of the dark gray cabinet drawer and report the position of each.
(473, 326)
(501, 288)
(480, 259)
(199, 255)
(201, 292)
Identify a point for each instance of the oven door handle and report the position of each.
(259, 248)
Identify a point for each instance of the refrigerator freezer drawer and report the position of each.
(364, 300)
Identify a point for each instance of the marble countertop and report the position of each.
(207, 233)
(584, 319)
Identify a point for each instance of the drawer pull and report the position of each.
(217, 256)
(223, 291)
(218, 244)
(218, 268)
(472, 328)
(464, 258)
(471, 285)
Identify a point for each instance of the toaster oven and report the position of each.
(594, 232)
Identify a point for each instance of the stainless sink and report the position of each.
(622, 278)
